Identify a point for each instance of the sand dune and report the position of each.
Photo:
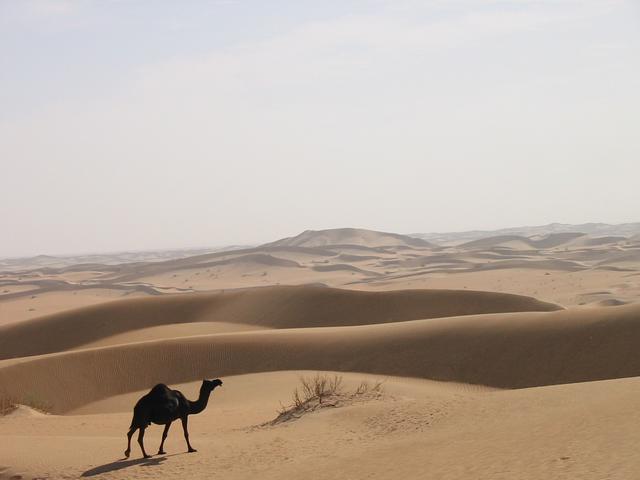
(172, 330)
(611, 302)
(593, 229)
(349, 236)
(38, 304)
(597, 241)
(343, 267)
(512, 350)
(564, 265)
(420, 261)
(419, 430)
(355, 258)
(271, 307)
(255, 258)
(520, 242)
(553, 240)
(373, 260)
(494, 241)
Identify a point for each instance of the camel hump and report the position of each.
(159, 389)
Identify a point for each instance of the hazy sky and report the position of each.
(130, 124)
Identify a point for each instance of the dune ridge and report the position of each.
(551, 240)
(349, 236)
(508, 350)
(270, 307)
(362, 259)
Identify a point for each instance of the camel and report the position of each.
(162, 406)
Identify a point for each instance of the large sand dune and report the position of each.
(270, 307)
(417, 430)
(349, 236)
(512, 350)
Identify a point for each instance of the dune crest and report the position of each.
(349, 236)
(267, 307)
(509, 350)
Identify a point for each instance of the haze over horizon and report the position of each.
(126, 127)
(426, 235)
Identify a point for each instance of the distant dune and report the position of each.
(516, 241)
(253, 258)
(349, 236)
(270, 307)
(594, 229)
(344, 258)
(561, 265)
(595, 241)
(490, 242)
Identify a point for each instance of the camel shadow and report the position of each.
(123, 463)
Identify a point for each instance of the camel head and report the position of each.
(211, 384)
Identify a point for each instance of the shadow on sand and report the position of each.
(124, 463)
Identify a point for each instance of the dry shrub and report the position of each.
(323, 390)
(368, 388)
(316, 388)
(37, 403)
(9, 403)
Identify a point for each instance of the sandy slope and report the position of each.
(349, 236)
(172, 330)
(512, 350)
(570, 289)
(418, 430)
(272, 307)
(38, 304)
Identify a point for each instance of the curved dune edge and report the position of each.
(172, 330)
(267, 307)
(276, 388)
(513, 350)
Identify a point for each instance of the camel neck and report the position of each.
(201, 403)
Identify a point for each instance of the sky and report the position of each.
(132, 124)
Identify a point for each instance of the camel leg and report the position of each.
(186, 434)
(141, 441)
(129, 435)
(164, 437)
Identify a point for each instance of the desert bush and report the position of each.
(316, 388)
(366, 387)
(7, 404)
(35, 402)
(323, 390)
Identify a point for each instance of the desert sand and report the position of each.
(505, 356)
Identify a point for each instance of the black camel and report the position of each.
(162, 406)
